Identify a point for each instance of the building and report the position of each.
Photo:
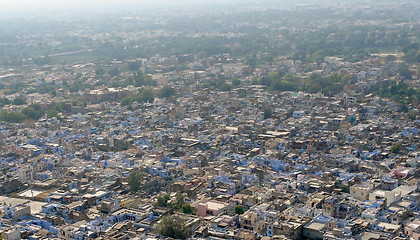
(212, 208)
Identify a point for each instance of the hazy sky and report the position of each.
(15, 5)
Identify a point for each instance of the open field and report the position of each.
(396, 54)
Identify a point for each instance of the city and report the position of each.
(218, 121)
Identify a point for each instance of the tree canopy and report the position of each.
(396, 148)
(33, 111)
(166, 91)
(19, 101)
(15, 117)
(134, 180)
(239, 209)
(162, 201)
(172, 226)
(404, 71)
(145, 95)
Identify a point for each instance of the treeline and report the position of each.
(35, 112)
(399, 92)
(16, 101)
(4, 101)
(412, 53)
(330, 85)
(354, 43)
(147, 95)
(113, 79)
(223, 84)
(240, 33)
(144, 95)
(137, 79)
(14, 117)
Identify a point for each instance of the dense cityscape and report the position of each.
(212, 120)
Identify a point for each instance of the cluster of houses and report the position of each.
(318, 167)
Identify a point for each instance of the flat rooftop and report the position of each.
(36, 207)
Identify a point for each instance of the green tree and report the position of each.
(78, 75)
(19, 101)
(179, 200)
(33, 111)
(14, 117)
(254, 81)
(318, 56)
(99, 71)
(4, 101)
(166, 91)
(266, 81)
(404, 71)
(416, 100)
(127, 100)
(63, 107)
(252, 61)
(225, 87)
(134, 66)
(412, 115)
(52, 113)
(134, 180)
(412, 53)
(220, 80)
(390, 58)
(147, 95)
(186, 208)
(345, 188)
(138, 79)
(238, 209)
(396, 149)
(114, 72)
(235, 82)
(172, 226)
(241, 93)
(162, 200)
(290, 112)
(268, 112)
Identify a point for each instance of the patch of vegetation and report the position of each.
(33, 111)
(396, 149)
(145, 95)
(172, 226)
(14, 117)
(166, 91)
(238, 209)
(135, 180)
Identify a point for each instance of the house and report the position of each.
(212, 208)
(389, 184)
(361, 191)
(250, 221)
(412, 229)
(26, 172)
(297, 114)
(289, 226)
(76, 231)
(314, 230)
(11, 233)
(388, 196)
(16, 212)
(96, 198)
